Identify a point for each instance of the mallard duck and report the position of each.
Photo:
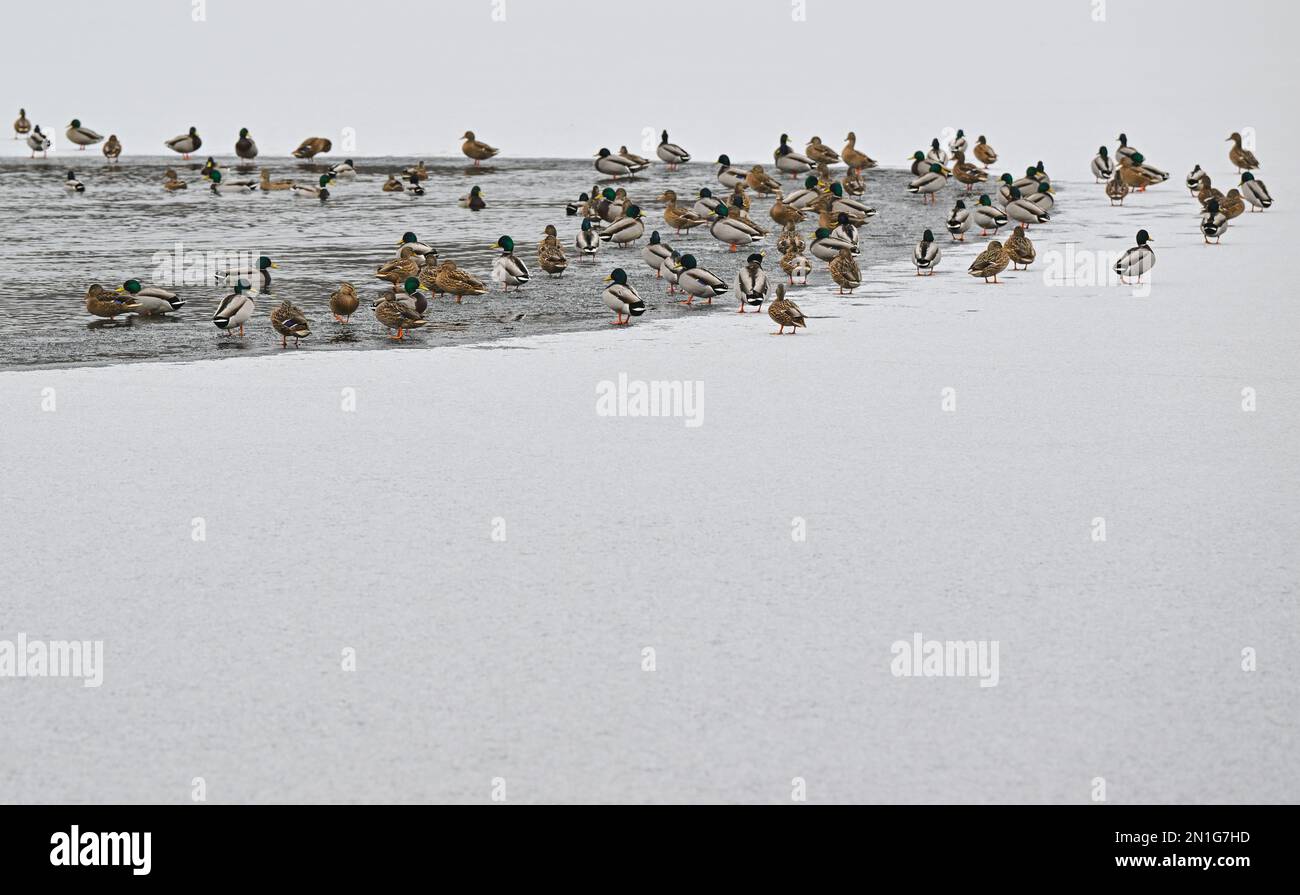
(473, 200)
(1233, 205)
(1007, 183)
(1133, 174)
(959, 221)
(1116, 188)
(103, 303)
(1124, 151)
(732, 231)
(1102, 167)
(452, 280)
(38, 142)
(218, 185)
(958, 143)
(259, 273)
(319, 191)
(22, 127)
(235, 309)
(393, 314)
(761, 182)
(656, 253)
(697, 282)
(1154, 174)
(393, 185)
(990, 262)
(671, 153)
(751, 283)
(785, 313)
(806, 197)
(414, 189)
(616, 166)
(854, 184)
(796, 266)
(416, 170)
(845, 272)
(112, 148)
(627, 229)
(409, 296)
(632, 157)
(581, 207)
(837, 203)
(405, 265)
(507, 269)
(789, 161)
(245, 147)
(82, 136)
(588, 240)
(343, 169)
(821, 153)
(706, 204)
(926, 255)
(928, 184)
(550, 254)
(1207, 191)
(1193, 180)
(1020, 249)
(344, 302)
(312, 147)
(476, 149)
(789, 240)
(268, 185)
(1022, 211)
(919, 165)
(785, 215)
(186, 143)
(288, 320)
(1243, 158)
(72, 184)
(622, 298)
(984, 153)
(677, 217)
(424, 253)
(965, 172)
(172, 182)
(845, 229)
(728, 175)
(208, 167)
(1255, 192)
(1043, 197)
(151, 300)
(1137, 260)
(936, 154)
(826, 246)
(856, 160)
(988, 217)
(672, 270)
(610, 204)
(738, 202)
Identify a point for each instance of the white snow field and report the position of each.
(1075, 407)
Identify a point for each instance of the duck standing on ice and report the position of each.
(751, 283)
(785, 313)
(1137, 260)
(622, 298)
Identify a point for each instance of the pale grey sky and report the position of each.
(565, 77)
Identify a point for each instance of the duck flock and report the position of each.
(823, 198)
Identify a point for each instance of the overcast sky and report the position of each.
(565, 77)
